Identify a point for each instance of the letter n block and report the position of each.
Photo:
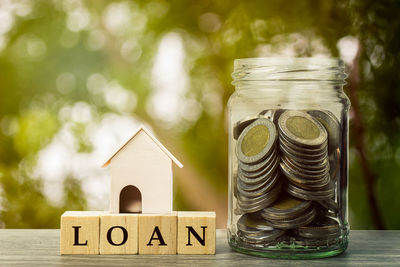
(157, 233)
(119, 233)
(79, 232)
(196, 232)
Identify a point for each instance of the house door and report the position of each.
(130, 200)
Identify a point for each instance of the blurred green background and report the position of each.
(77, 77)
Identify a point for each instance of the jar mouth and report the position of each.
(289, 69)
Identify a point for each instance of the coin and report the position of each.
(302, 129)
(259, 166)
(250, 223)
(331, 124)
(256, 141)
(286, 207)
(241, 125)
(322, 227)
(256, 180)
(302, 149)
(300, 153)
(272, 114)
(300, 175)
(309, 195)
(317, 172)
(293, 223)
(253, 204)
(262, 237)
(260, 191)
(262, 185)
(334, 163)
(305, 166)
(269, 169)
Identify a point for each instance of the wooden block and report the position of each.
(196, 232)
(157, 233)
(119, 233)
(79, 232)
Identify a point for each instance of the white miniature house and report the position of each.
(141, 176)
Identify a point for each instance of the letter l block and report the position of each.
(79, 232)
(196, 232)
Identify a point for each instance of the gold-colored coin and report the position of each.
(302, 127)
(257, 141)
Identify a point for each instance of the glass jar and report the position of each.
(288, 164)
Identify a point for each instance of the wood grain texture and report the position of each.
(122, 230)
(157, 233)
(41, 248)
(203, 223)
(80, 232)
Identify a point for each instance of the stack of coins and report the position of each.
(258, 179)
(289, 213)
(322, 231)
(303, 143)
(253, 229)
(288, 164)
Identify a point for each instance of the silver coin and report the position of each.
(253, 205)
(331, 124)
(304, 219)
(309, 195)
(253, 187)
(305, 150)
(255, 200)
(251, 223)
(308, 184)
(262, 237)
(295, 174)
(295, 168)
(255, 180)
(334, 163)
(260, 191)
(315, 167)
(259, 166)
(330, 205)
(322, 227)
(303, 159)
(256, 141)
(285, 208)
(300, 153)
(272, 114)
(267, 169)
(302, 129)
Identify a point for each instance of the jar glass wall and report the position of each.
(288, 165)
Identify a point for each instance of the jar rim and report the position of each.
(284, 61)
(290, 69)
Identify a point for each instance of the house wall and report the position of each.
(141, 163)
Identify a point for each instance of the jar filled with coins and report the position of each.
(288, 165)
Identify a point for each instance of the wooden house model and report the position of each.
(141, 176)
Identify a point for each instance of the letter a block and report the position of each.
(119, 233)
(79, 232)
(196, 232)
(157, 233)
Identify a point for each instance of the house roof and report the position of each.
(163, 149)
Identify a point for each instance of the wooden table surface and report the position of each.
(41, 247)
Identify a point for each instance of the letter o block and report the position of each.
(79, 232)
(119, 234)
(196, 232)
